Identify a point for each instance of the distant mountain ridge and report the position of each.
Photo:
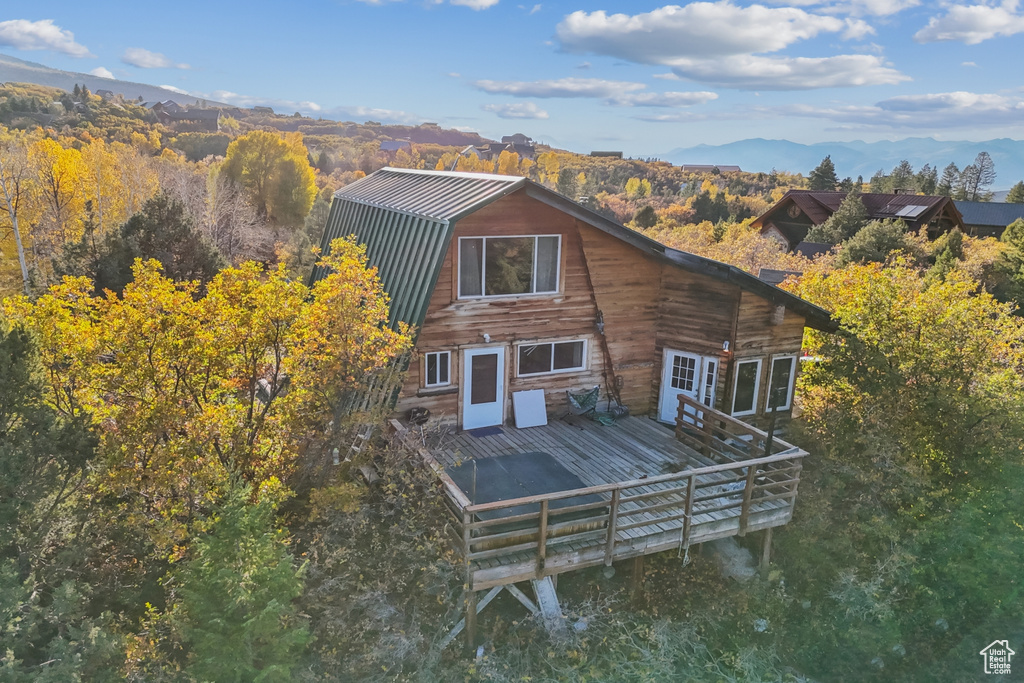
(857, 157)
(14, 70)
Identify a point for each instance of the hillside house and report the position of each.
(988, 219)
(519, 293)
(790, 218)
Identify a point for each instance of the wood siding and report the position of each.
(757, 337)
(453, 324)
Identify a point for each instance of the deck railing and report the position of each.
(598, 524)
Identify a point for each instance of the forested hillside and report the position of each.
(186, 493)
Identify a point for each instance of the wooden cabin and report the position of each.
(513, 289)
(790, 219)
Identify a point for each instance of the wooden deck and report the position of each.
(658, 490)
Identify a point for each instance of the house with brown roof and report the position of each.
(790, 218)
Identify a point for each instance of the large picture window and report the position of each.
(746, 386)
(550, 357)
(780, 383)
(503, 266)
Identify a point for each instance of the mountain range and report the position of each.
(14, 70)
(858, 158)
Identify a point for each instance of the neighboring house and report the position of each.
(392, 146)
(709, 168)
(557, 297)
(988, 219)
(516, 139)
(790, 218)
(494, 149)
(105, 94)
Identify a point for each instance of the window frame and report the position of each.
(790, 389)
(426, 373)
(584, 357)
(483, 267)
(757, 386)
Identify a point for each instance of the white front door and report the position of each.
(686, 373)
(483, 392)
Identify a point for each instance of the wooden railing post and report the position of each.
(748, 490)
(542, 538)
(688, 511)
(613, 521)
(706, 426)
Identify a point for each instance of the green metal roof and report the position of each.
(407, 217)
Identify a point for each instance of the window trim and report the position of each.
(757, 386)
(585, 357)
(426, 379)
(483, 267)
(790, 390)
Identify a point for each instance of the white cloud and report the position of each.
(22, 34)
(519, 110)
(454, 74)
(754, 72)
(144, 59)
(535, 9)
(878, 8)
(972, 24)
(702, 29)
(615, 93)
(102, 72)
(176, 90)
(374, 114)
(723, 44)
(475, 4)
(933, 111)
(562, 87)
(662, 99)
(254, 101)
(968, 64)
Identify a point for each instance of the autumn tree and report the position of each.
(60, 194)
(15, 178)
(823, 177)
(934, 369)
(274, 170)
(187, 390)
(876, 241)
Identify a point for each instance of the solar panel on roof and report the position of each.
(911, 211)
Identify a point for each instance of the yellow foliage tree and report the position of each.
(187, 390)
(274, 170)
(59, 196)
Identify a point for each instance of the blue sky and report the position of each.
(643, 77)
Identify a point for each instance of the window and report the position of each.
(549, 357)
(437, 367)
(746, 386)
(503, 266)
(780, 383)
(710, 378)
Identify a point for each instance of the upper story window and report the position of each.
(504, 266)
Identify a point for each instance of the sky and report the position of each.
(640, 77)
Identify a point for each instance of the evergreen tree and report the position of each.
(848, 219)
(950, 179)
(875, 241)
(879, 182)
(902, 177)
(1016, 193)
(645, 217)
(823, 177)
(927, 179)
(986, 176)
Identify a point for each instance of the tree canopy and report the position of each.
(823, 177)
(274, 170)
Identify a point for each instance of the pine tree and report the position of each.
(1016, 194)
(950, 178)
(848, 219)
(824, 176)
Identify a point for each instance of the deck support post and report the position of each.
(766, 551)
(638, 576)
(470, 620)
(542, 539)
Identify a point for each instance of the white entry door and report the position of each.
(686, 373)
(483, 393)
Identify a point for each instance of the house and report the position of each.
(105, 94)
(709, 168)
(520, 295)
(516, 139)
(790, 218)
(988, 219)
(561, 298)
(392, 146)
